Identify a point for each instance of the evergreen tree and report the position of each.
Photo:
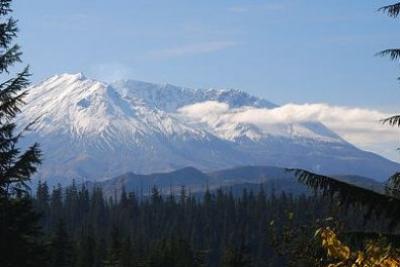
(175, 253)
(42, 204)
(100, 253)
(98, 210)
(114, 254)
(87, 249)
(16, 167)
(20, 242)
(61, 248)
(127, 253)
(19, 232)
(42, 196)
(234, 257)
(56, 207)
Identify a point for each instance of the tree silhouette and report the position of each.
(19, 231)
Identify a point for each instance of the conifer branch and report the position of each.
(5, 7)
(392, 10)
(376, 203)
(24, 167)
(394, 54)
(8, 31)
(11, 97)
(392, 121)
(9, 58)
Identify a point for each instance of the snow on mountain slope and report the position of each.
(93, 130)
(169, 97)
(251, 123)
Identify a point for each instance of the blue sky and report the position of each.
(286, 51)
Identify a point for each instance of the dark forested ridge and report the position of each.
(84, 228)
(234, 179)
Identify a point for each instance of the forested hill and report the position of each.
(234, 179)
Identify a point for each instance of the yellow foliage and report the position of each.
(373, 255)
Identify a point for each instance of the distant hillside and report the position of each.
(236, 179)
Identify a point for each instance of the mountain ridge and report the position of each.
(92, 130)
(195, 181)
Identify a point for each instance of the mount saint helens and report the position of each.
(93, 130)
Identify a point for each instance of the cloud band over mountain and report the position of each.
(358, 126)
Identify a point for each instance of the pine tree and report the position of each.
(114, 254)
(87, 249)
(19, 232)
(56, 207)
(42, 204)
(100, 253)
(20, 242)
(234, 257)
(61, 248)
(177, 253)
(127, 253)
(42, 196)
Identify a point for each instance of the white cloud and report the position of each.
(191, 49)
(359, 126)
(205, 110)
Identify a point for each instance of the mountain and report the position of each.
(92, 130)
(188, 177)
(234, 180)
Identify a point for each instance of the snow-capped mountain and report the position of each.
(93, 130)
